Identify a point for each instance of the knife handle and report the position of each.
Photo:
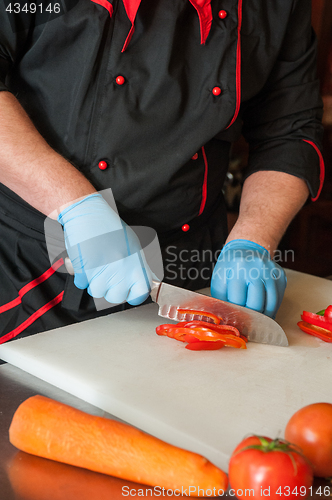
(155, 286)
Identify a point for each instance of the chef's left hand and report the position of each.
(246, 275)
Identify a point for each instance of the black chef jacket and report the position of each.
(156, 91)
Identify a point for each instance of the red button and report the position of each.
(222, 14)
(185, 227)
(195, 156)
(102, 165)
(216, 91)
(120, 80)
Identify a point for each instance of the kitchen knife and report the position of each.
(255, 326)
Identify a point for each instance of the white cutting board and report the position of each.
(202, 401)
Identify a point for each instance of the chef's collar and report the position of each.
(203, 8)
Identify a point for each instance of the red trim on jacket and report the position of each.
(204, 188)
(131, 7)
(204, 11)
(37, 314)
(238, 65)
(29, 286)
(321, 167)
(25, 289)
(203, 8)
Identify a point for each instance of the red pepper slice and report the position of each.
(205, 346)
(163, 329)
(212, 326)
(190, 339)
(316, 331)
(232, 341)
(328, 314)
(215, 319)
(179, 333)
(317, 320)
(203, 333)
(199, 333)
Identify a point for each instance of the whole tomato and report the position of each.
(311, 429)
(264, 468)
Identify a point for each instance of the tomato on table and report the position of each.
(310, 428)
(273, 469)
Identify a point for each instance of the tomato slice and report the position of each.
(215, 319)
(317, 320)
(316, 331)
(205, 346)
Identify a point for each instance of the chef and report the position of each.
(145, 98)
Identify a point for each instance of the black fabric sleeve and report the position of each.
(15, 32)
(4, 68)
(283, 123)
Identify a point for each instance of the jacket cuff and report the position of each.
(300, 157)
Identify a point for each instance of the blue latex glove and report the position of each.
(245, 275)
(105, 253)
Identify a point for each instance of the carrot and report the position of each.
(49, 429)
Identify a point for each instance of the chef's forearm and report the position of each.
(269, 202)
(30, 167)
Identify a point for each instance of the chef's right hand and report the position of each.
(106, 254)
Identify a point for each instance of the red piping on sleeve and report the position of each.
(238, 65)
(204, 188)
(104, 3)
(32, 284)
(204, 11)
(321, 167)
(32, 319)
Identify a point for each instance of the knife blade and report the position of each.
(255, 326)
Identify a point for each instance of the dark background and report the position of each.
(310, 233)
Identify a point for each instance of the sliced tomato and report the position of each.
(205, 346)
(215, 319)
(316, 331)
